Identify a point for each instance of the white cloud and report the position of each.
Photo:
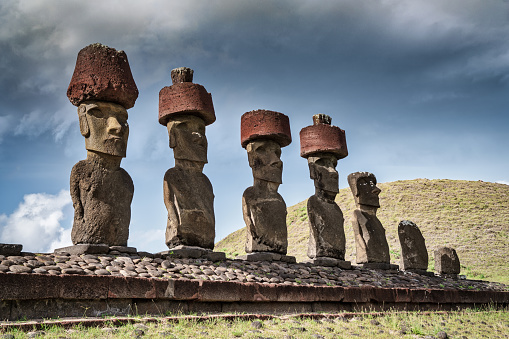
(502, 182)
(36, 222)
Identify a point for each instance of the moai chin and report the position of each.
(103, 88)
(263, 133)
(185, 109)
(372, 248)
(323, 145)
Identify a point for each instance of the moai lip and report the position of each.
(370, 241)
(102, 73)
(322, 137)
(185, 98)
(265, 125)
(413, 247)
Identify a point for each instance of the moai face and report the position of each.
(187, 138)
(367, 191)
(265, 159)
(322, 169)
(104, 126)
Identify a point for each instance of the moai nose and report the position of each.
(113, 126)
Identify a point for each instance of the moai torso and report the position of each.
(265, 217)
(327, 235)
(414, 254)
(370, 242)
(102, 204)
(189, 199)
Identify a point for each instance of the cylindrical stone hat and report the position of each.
(262, 124)
(185, 97)
(322, 137)
(102, 73)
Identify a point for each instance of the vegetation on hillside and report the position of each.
(470, 216)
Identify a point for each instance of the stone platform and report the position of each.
(65, 285)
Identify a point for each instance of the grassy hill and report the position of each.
(471, 216)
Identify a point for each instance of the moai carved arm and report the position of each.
(169, 202)
(76, 195)
(359, 223)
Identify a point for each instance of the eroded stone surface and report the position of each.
(265, 125)
(413, 246)
(370, 242)
(103, 87)
(101, 198)
(102, 73)
(447, 261)
(264, 209)
(327, 234)
(188, 193)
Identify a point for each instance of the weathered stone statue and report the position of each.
(322, 145)
(185, 109)
(263, 133)
(447, 262)
(372, 248)
(414, 256)
(103, 88)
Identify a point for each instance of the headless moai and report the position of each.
(263, 133)
(185, 109)
(414, 256)
(322, 145)
(103, 88)
(447, 262)
(372, 249)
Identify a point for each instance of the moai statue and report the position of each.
(103, 88)
(372, 249)
(185, 109)
(263, 133)
(414, 256)
(323, 145)
(447, 262)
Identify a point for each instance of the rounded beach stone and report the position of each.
(321, 137)
(263, 124)
(185, 97)
(102, 73)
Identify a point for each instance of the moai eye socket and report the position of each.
(97, 113)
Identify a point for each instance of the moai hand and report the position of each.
(263, 133)
(322, 145)
(185, 109)
(103, 88)
(370, 242)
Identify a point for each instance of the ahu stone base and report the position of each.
(267, 256)
(193, 252)
(380, 266)
(330, 262)
(95, 249)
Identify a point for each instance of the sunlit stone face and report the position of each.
(187, 138)
(265, 160)
(104, 126)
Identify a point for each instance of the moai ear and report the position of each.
(172, 137)
(312, 170)
(82, 116)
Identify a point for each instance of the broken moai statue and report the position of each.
(372, 249)
(103, 88)
(263, 133)
(323, 144)
(414, 256)
(447, 262)
(185, 109)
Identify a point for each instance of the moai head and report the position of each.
(187, 138)
(263, 133)
(103, 88)
(364, 189)
(185, 109)
(323, 144)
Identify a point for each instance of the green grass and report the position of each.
(471, 216)
(467, 323)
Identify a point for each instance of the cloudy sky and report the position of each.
(420, 87)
